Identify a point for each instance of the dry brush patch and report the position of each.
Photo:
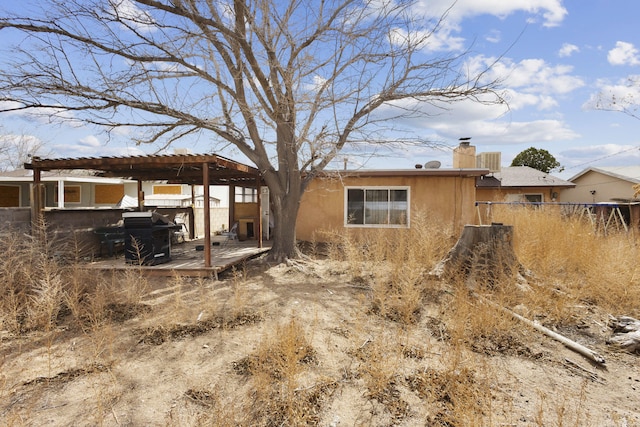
(275, 372)
(359, 335)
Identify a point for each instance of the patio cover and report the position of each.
(194, 169)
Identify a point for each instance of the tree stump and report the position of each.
(483, 255)
(626, 333)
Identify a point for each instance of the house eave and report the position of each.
(405, 172)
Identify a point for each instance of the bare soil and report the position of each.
(187, 355)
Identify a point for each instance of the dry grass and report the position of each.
(406, 349)
(574, 263)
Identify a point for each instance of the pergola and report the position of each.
(193, 169)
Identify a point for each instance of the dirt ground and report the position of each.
(183, 357)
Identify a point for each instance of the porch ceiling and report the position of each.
(177, 168)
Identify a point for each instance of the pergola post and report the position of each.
(61, 194)
(259, 200)
(37, 203)
(232, 205)
(140, 196)
(207, 215)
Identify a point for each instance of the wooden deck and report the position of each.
(187, 261)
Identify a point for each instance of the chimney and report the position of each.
(464, 155)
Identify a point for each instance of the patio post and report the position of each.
(207, 215)
(259, 213)
(37, 203)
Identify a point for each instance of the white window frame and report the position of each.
(246, 195)
(365, 187)
(65, 201)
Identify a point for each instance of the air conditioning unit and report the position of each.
(489, 160)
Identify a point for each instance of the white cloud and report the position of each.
(623, 54)
(127, 11)
(579, 158)
(489, 124)
(505, 132)
(86, 148)
(494, 36)
(318, 81)
(530, 82)
(39, 115)
(619, 96)
(90, 141)
(10, 108)
(568, 49)
(434, 41)
(551, 11)
(601, 150)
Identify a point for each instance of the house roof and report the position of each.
(521, 176)
(26, 176)
(177, 168)
(625, 173)
(366, 173)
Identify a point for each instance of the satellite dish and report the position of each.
(433, 164)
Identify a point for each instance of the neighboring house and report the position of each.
(521, 184)
(508, 184)
(365, 200)
(604, 185)
(65, 190)
(82, 190)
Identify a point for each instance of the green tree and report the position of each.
(289, 84)
(537, 158)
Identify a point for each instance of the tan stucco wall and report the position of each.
(450, 199)
(606, 188)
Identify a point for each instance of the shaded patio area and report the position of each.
(191, 169)
(186, 260)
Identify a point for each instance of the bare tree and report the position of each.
(290, 84)
(15, 150)
(624, 98)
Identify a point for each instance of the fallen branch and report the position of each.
(581, 370)
(578, 348)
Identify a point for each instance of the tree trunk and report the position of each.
(483, 255)
(285, 212)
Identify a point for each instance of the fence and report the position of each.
(604, 217)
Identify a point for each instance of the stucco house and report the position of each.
(363, 200)
(65, 189)
(604, 184)
(388, 198)
(521, 184)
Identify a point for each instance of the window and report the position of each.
(246, 195)
(71, 194)
(167, 189)
(109, 193)
(9, 196)
(376, 206)
(533, 198)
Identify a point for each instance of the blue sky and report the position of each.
(556, 57)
